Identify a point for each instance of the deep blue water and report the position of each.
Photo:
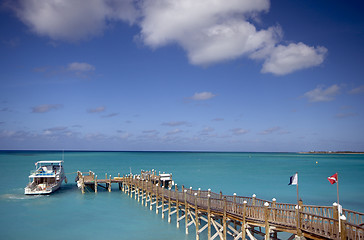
(67, 214)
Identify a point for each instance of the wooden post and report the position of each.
(83, 185)
(253, 200)
(177, 204)
(151, 196)
(209, 216)
(136, 193)
(243, 232)
(95, 184)
(146, 193)
(266, 218)
(196, 217)
(234, 207)
(131, 188)
(169, 205)
(224, 220)
(109, 184)
(119, 183)
(162, 192)
(274, 210)
(142, 192)
(186, 211)
(335, 215)
(220, 195)
(343, 228)
(156, 199)
(298, 219)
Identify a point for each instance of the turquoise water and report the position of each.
(67, 214)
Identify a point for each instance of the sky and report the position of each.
(182, 75)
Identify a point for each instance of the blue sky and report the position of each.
(237, 75)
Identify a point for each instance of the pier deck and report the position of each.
(234, 216)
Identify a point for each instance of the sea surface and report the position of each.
(67, 214)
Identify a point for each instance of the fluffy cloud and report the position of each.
(71, 20)
(209, 31)
(319, 94)
(202, 96)
(286, 59)
(208, 34)
(45, 108)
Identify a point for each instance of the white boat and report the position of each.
(46, 179)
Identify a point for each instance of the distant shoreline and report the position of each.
(331, 152)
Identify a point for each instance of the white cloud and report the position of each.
(319, 94)
(71, 20)
(286, 59)
(222, 32)
(45, 108)
(203, 96)
(209, 31)
(80, 67)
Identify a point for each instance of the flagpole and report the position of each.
(337, 189)
(297, 188)
(338, 203)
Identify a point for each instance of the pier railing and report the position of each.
(320, 221)
(304, 220)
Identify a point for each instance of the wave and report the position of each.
(18, 196)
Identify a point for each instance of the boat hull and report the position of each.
(45, 191)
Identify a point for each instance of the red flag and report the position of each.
(333, 178)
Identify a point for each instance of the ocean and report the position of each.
(67, 214)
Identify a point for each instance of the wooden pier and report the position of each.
(235, 216)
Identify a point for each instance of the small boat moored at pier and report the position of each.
(46, 179)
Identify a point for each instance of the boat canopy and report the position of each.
(44, 162)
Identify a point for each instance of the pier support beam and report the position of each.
(266, 216)
(95, 184)
(209, 216)
(109, 186)
(186, 211)
(224, 220)
(169, 206)
(196, 219)
(83, 185)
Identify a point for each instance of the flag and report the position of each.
(293, 180)
(333, 178)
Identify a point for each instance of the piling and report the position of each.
(95, 184)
